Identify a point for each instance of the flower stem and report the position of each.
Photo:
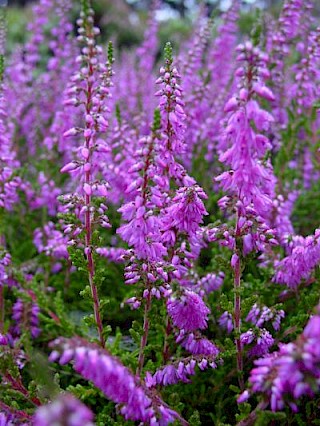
(17, 413)
(251, 419)
(1, 310)
(165, 352)
(88, 181)
(237, 311)
(144, 337)
(18, 386)
(91, 266)
(95, 297)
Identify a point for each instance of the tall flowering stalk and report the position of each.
(250, 182)
(35, 101)
(2, 49)
(115, 381)
(90, 89)
(164, 217)
(303, 91)
(182, 215)
(281, 42)
(143, 229)
(195, 84)
(9, 183)
(87, 187)
(221, 70)
(135, 87)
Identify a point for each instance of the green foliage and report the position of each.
(304, 223)
(85, 7)
(110, 53)
(175, 30)
(265, 418)
(156, 120)
(1, 67)
(17, 20)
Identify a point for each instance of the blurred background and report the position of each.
(124, 21)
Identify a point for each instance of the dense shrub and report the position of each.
(160, 254)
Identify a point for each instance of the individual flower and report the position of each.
(226, 322)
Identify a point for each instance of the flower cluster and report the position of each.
(178, 372)
(51, 241)
(293, 371)
(188, 312)
(298, 265)
(249, 178)
(258, 316)
(26, 315)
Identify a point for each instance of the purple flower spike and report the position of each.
(292, 372)
(66, 410)
(114, 380)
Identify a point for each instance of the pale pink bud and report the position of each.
(103, 122)
(244, 396)
(89, 119)
(263, 92)
(70, 101)
(87, 133)
(69, 167)
(231, 105)
(234, 260)
(85, 153)
(151, 277)
(264, 72)
(243, 94)
(103, 190)
(87, 189)
(240, 72)
(71, 132)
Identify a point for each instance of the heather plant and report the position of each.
(159, 226)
